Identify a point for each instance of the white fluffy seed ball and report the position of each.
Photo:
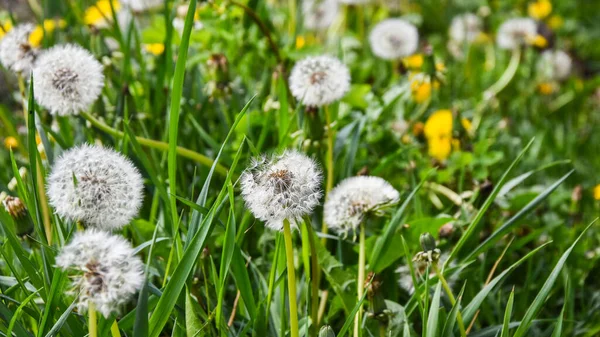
(392, 39)
(286, 186)
(16, 53)
(67, 79)
(106, 271)
(97, 186)
(319, 14)
(554, 65)
(356, 197)
(319, 80)
(465, 28)
(514, 33)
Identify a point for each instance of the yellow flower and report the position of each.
(539, 9)
(101, 12)
(300, 41)
(4, 28)
(11, 142)
(538, 41)
(421, 87)
(155, 48)
(36, 37)
(438, 130)
(597, 192)
(440, 67)
(546, 88)
(414, 61)
(466, 124)
(555, 22)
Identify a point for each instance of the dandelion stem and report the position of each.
(92, 321)
(461, 325)
(289, 256)
(508, 74)
(329, 184)
(114, 329)
(315, 277)
(360, 286)
(155, 144)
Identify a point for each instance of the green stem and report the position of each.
(289, 256)
(114, 329)
(360, 286)
(92, 324)
(315, 278)
(461, 325)
(507, 76)
(330, 172)
(155, 144)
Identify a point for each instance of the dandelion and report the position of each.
(421, 87)
(143, 5)
(286, 186)
(279, 191)
(16, 53)
(554, 65)
(5, 27)
(100, 14)
(67, 79)
(414, 61)
(539, 9)
(394, 38)
(516, 32)
(438, 131)
(354, 199)
(597, 192)
(95, 185)
(106, 273)
(319, 14)
(49, 26)
(319, 80)
(155, 48)
(465, 28)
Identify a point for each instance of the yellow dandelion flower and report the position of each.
(546, 88)
(539, 9)
(538, 41)
(414, 61)
(49, 25)
(597, 192)
(11, 143)
(440, 67)
(421, 87)
(155, 48)
(438, 130)
(5, 27)
(300, 41)
(466, 124)
(439, 148)
(555, 22)
(101, 12)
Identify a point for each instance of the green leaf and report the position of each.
(451, 319)
(507, 314)
(540, 299)
(61, 320)
(434, 311)
(192, 322)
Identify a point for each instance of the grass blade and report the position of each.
(434, 312)
(507, 314)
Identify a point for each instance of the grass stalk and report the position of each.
(289, 256)
(114, 329)
(461, 324)
(360, 284)
(330, 172)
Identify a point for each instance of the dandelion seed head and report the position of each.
(319, 80)
(97, 186)
(516, 32)
(106, 271)
(16, 52)
(319, 14)
(286, 186)
(465, 28)
(67, 79)
(554, 65)
(356, 197)
(143, 5)
(394, 38)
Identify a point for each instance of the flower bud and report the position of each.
(427, 242)
(16, 209)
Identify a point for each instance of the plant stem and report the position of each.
(289, 256)
(114, 329)
(461, 325)
(360, 286)
(330, 172)
(92, 321)
(315, 277)
(155, 144)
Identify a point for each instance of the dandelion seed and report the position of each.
(319, 14)
(516, 32)
(354, 198)
(554, 65)
(143, 5)
(95, 185)
(320, 80)
(16, 52)
(67, 79)
(106, 271)
(287, 186)
(465, 28)
(394, 38)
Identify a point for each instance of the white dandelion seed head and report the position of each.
(97, 186)
(67, 79)
(319, 80)
(516, 32)
(286, 186)
(319, 14)
(143, 5)
(16, 53)
(106, 271)
(554, 65)
(465, 28)
(356, 197)
(392, 39)
(354, 2)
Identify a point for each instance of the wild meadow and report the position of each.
(299, 168)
